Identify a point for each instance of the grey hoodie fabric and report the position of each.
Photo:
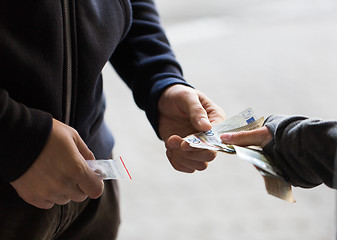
(303, 149)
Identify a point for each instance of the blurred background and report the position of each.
(276, 56)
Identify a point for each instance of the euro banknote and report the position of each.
(275, 184)
(246, 120)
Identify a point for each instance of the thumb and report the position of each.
(197, 114)
(91, 185)
(257, 137)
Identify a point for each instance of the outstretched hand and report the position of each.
(183, 111)
(60, 174)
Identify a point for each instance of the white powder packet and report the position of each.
(110, 169)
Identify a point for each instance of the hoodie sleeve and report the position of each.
(145, 60)
(23, 134)
(303, 149)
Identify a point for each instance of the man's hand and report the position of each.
(258, 137)
(182, 111)
(60, 174)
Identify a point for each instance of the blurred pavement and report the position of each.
(274, 56)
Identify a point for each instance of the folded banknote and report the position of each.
(246, 120)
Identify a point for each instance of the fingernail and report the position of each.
(204, 121)
(226, 137)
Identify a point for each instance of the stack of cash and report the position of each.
(246, 120)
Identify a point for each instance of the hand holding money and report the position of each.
(182, 111)
(242, 123)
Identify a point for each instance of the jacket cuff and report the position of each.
(158, 88)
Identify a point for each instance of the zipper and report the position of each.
(68, 48)
(69, 60)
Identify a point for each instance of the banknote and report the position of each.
(244, 121)
(251, 126)
(208, 140)
(275, 184)
(110, 169)
(239, 120)
(277, 187)
(257, 158)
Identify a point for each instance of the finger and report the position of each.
(54, 194)
(91, 184)
(245, 138)
(30, 197)
(197, 154)
(60, 199)
(187, 162)
(83, 148)
(177, 146)
(241, 138)
(173, 142)
(43, 204)
(196, 112)
(178, 166)
(76, 194)
(200, 155)
(195, 165)
(185, 146)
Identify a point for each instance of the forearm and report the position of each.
(145, 60)
(303, 149)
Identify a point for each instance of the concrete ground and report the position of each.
(276, 56)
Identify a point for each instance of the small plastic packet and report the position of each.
(110, 169)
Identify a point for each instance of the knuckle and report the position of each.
(75, 135)
(50, 193)
(77, 170)
(74, 132)
(197, 108)
(91, 155)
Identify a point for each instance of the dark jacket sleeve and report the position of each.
(23, 133)
(303, 149)
(145, 61)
